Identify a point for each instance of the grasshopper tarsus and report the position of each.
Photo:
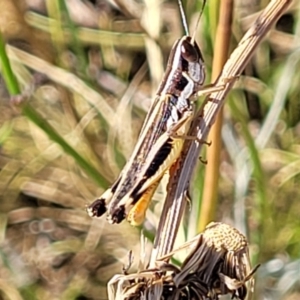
(207, 143)
(190, 137)
(203, 142)
(188, 199)
(204, 161)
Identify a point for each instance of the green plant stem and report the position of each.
(8, 75)
(36, 118)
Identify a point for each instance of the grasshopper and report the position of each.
(161, 138)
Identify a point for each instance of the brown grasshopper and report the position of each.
(161, 138)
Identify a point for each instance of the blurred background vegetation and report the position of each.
(87, 76)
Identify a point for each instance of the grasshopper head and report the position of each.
(185, 72)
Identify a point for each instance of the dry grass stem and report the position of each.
(210, 191)
(179, 181)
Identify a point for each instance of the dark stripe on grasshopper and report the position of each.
(161, 156)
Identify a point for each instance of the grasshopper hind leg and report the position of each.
(99, 206)
(137, 213)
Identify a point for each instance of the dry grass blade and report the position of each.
(175, 202)
(218, 265)
(65, 78)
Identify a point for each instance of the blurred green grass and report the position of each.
(71, 137)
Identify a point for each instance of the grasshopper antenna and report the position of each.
(197, 24)
(183, 17)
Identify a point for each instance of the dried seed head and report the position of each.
(224, 237)
(220, 261)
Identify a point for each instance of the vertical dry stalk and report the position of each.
(221, 52)
(175, 201)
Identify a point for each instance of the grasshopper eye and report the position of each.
(189, 52)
